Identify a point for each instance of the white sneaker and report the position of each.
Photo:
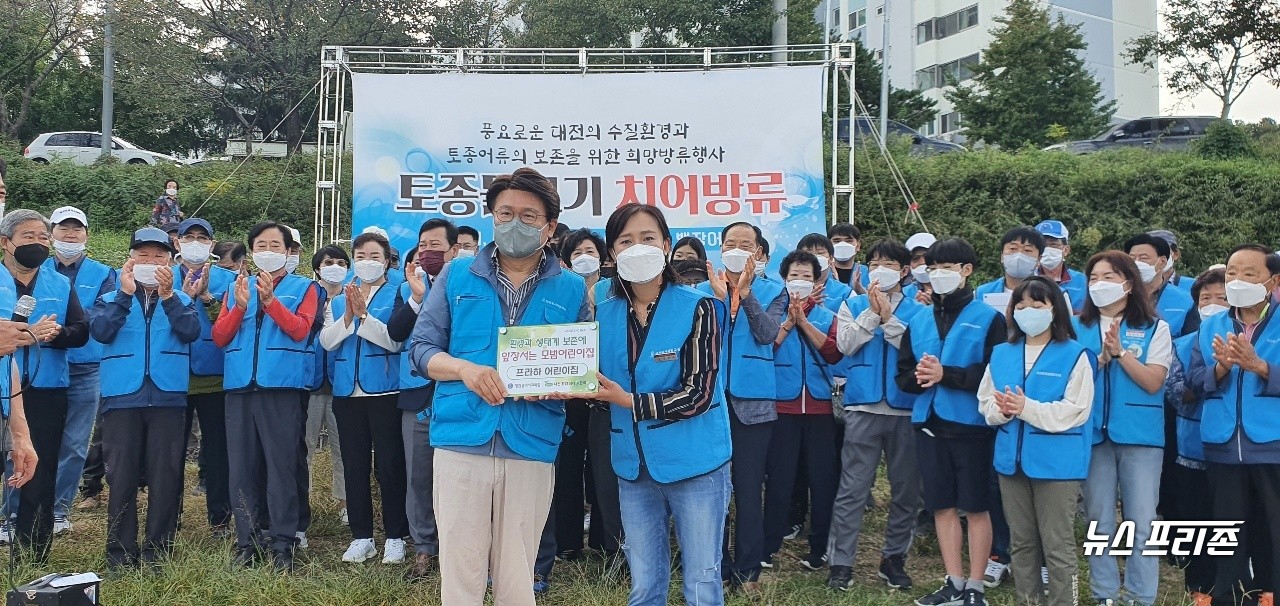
(393, 551)
(302, 539)
(61, 524)
(995, 574)
(6, 533)
(586, 523)
(359, 551)
(342, 513)
(1044, 578)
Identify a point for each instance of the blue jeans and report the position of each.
(698, 506)
(1136, 472)
(82, 410)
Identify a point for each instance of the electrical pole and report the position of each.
(780, 31)
(108, 75)
(884, 78)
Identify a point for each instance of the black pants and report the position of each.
(545, 561)
(800, 442)
(1194, 502)
(138, 439)
(304, 468)
(46, 411)
(1250, 493)
(570, 496)
(212, 410)
(605, 513)
(263, 428)
(367, 425)
(94, 470)
(750, 454)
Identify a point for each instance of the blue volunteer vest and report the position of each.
(993, 287)
(320, 362)
(145, 347)
(798, 366)
(376, 369)
(873, 367)
(600, 291)
(410, 377)
(206, 357)
(1173, 305)
(670, 451)
(1123, 412)
(1040, 454)
(747, 365)
(8, 299)
(460, 417)
(964, 346)
(1077, 289)
(836, 292)
(1188, 422)
(1238, 404)
(263, 356)
(49, 369)
(88, 287)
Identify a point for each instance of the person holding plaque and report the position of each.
(494, 454)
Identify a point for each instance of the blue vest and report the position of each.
(670, 451)
(1238, 404)
(88, 287)
(1173, 305)
(836, 293)
(1188, 422)
(864, 276)
(798, 366)
(320, 361)
(263, 356)
(747, 365)
(1123, 412)
(873, 367)
(8, 299)
(995, 286)
(1040, 454)
(410, 377)
(145, 347)
(206, 357)
(377, 369)
(964, 346)
(460, 417)
(600, 291)
(49, 369)
(1077, 289)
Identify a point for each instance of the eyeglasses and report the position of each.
(528, 217)
(201, 238)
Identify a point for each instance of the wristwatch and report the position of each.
(1123, 353)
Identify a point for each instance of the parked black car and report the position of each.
(869, 127)
(1161, 132)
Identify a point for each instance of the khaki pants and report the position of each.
(1041, 518)
(490, 513)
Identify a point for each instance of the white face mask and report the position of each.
(465, 252)
(1033, 320)
(421, 273)
(945, 281)
(291, 263)
(171, 192)
(1105, 293)
(641, 263)
(760, 267)
(887, 278)
(920, 273)
(1168, 267)
(585, 265)
(1245, 294)
(845, 251)
(195, 252)
(1019, 265)
(1147, 271)
(1051, 259)
(68, 250)
(800, 289)
(145, 274)
(734, 260)
(1212, 309)
(369, 270)
(823, 262)
(333, 274)
(269, 261)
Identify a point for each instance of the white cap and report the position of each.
(1216, 266)
(920, 240)
(297, 237)
(374, 229)
(68, 212)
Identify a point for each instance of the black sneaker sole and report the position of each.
(884, 577)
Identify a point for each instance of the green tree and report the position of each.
(465, 24)
(38, 43)
(1031, 76)
(906, 105)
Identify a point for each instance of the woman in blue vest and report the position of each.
(1038, 392)
(1134, 350)
(146, 329)
(366, 386)
(660, 349)
(266, 330)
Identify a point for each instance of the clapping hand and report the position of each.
(1011, 403)
(928, 371)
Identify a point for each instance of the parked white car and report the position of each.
(84, 148)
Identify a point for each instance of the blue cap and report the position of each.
(1053, 228)
(151, 235)
(195, 222)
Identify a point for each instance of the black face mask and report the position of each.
(608, 271)
(31, 256)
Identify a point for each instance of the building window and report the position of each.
(947, 25)
(952, 122)
(857, 18)
(936, 76)
(927, 78)
(928, 129)
(835, 18)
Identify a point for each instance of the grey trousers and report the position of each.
(264, 431)
(418, 458)
(320, 413)
(1041, 518)
(866, 436)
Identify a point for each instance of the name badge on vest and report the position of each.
(669, 355)
(1134, 334)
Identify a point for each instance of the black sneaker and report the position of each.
(947, 595)
(283, 561)
(840, 577)
(893, 571)
(813, 564)
(973, 597)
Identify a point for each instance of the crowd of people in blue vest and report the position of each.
(1000, 410)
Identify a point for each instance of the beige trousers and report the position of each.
(1041, 518)
(490, 513)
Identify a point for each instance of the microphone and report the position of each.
(22, 311)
